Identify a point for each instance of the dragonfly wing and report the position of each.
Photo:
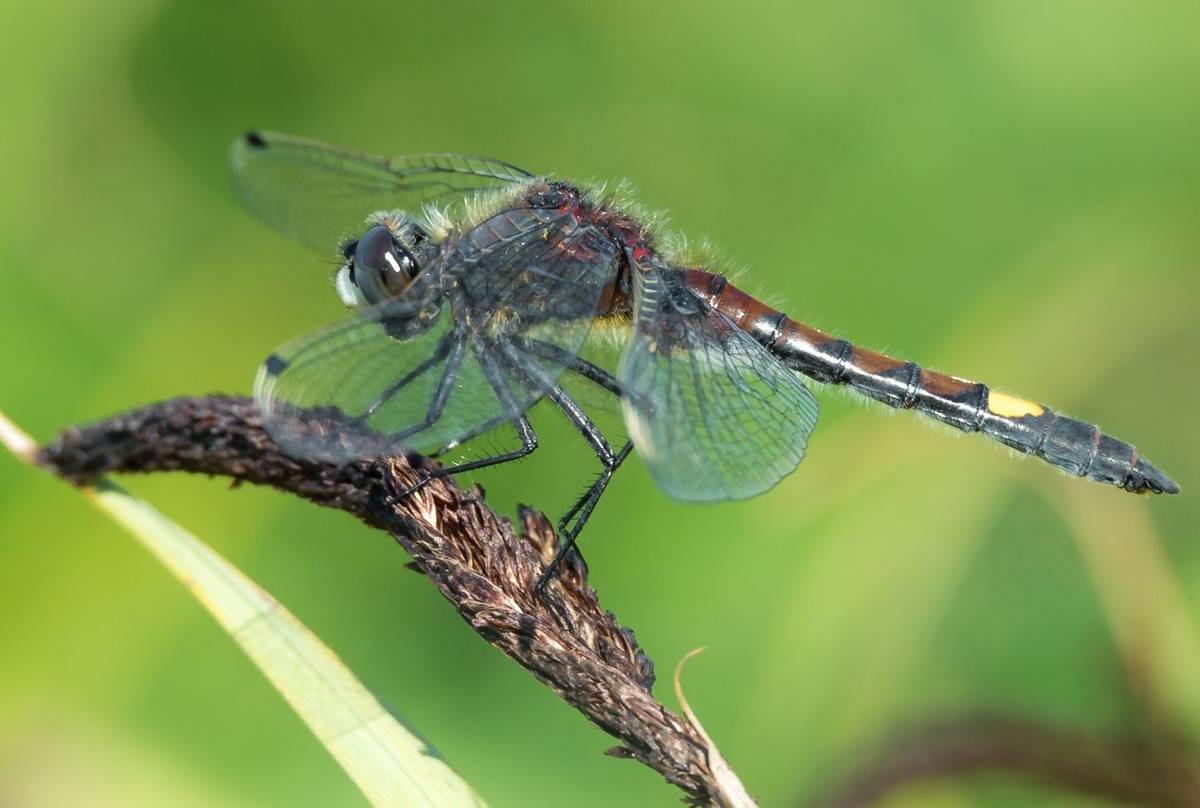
(320, 195)
(364, 387)
(394, 378)
(712, 413)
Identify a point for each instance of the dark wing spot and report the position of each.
(275, 364)
(255, 141)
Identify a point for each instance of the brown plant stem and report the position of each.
(1150, 771)
(474, 558)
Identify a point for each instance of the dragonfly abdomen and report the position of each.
(1031, 428)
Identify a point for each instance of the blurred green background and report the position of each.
(1008, 191)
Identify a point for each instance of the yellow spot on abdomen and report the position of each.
(1007, 406)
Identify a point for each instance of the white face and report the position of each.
(346, 290)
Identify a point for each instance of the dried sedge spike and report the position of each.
(475, 558)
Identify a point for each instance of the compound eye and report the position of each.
(382, 268)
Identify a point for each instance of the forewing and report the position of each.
(320, 195)
(712, 413)
(370, 386)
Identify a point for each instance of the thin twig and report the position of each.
(471, 555)
(1155, 771)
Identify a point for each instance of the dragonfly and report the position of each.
(474, 285)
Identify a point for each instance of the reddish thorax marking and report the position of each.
(616, 299)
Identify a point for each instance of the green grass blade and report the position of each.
(390, 764)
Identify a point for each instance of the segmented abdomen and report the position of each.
(1072, 445)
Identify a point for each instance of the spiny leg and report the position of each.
(559, 356)
(583, 507)
(582, 367)
(524, 429)
(441, 394)
(569, 361)
(529, 442)
(475, 432)
(610, 461)
(440, 353)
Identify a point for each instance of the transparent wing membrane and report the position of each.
(712, 413)
(394, 378)
(319, 195)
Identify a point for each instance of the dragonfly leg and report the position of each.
(568, 530)
(525, 431)
(529, 442)
(486, 426)
(574, 519)
(570, 361)
(454, 360)
(582, 367)
(442, 351)
(560, 357)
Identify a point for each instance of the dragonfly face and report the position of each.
(389, 262)
(475, 285)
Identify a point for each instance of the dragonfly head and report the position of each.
(381, 263)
